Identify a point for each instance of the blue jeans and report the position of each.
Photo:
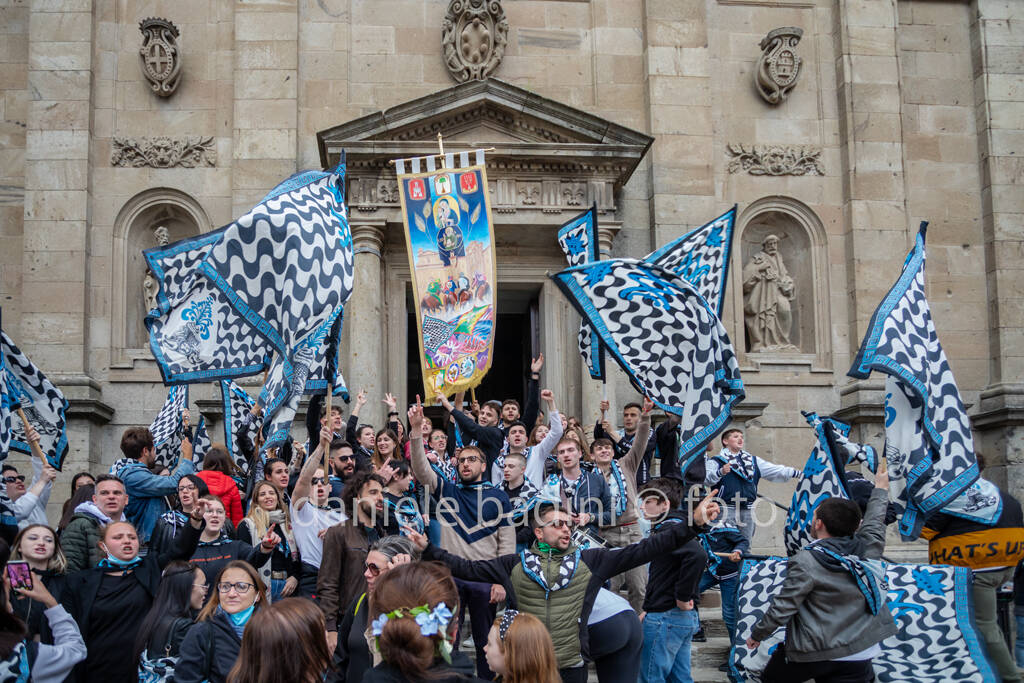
(665, 657)
(1018, 646)
(729, 588)
(276, 589)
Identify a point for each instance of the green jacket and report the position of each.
(560, 610)
(79, 541)
(571, 604)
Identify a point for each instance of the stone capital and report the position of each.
(368, 236)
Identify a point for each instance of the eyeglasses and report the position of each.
(558, 524)
(11, 480)
(372, 568)
(241, 587)
(203, 587)
(469, 458)
(319, 480)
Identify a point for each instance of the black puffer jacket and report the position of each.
(209, 651)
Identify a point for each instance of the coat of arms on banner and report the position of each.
(451, 259)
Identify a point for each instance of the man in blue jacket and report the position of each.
(147, 491)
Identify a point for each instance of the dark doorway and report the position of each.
(516, 341)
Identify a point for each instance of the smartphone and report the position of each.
(20, 575)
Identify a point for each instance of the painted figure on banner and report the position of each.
(451, 257)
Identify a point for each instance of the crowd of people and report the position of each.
(358, 554)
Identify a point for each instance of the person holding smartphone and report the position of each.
(37, 547)
(47, 663)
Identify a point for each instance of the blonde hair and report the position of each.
(259, 517)
(529, 652)
(57, 563)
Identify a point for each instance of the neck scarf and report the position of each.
(832, 554)
(567, 565)
(618, 489)
(112, 563)
(742, 463)
(570, 488)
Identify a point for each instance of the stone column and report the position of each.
(877, 234)
(364, 320)
(592, 389)
(999, 101)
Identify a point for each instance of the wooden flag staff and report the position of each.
(34, 445)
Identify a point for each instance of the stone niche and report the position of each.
(155, 217)
(802, 248)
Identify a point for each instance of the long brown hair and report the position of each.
(58, 562)
(529, 652)
(254, 578)
(379, 459)
(284, 643)
(407, 586)
(217, 459)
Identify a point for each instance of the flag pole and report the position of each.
(440, 149)
(34, 445)
(330, 421)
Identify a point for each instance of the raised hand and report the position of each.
(361, 397)
(707, 510)
(882, 476)
(605, 406)
(419, 540)
(270, 539)
(48, 473)
(537, 363)
(415, 415)
(548, 397)
(391, 401)
(400, 558)
(444, 402)
(31, 434)
(326, 436)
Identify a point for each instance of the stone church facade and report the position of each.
(836, 126)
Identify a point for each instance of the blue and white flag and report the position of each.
(578, 239)
(666, 338)
(201, 443)
(167, 427)
(25, 387)
(701, 257)
(928, 442)
(266, 291)
(936, 639)
(238, 415)
(824, 476)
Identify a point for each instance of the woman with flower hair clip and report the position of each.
(519, 650)
(412, 622)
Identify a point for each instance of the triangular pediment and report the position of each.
(485, 110)
(490, 113)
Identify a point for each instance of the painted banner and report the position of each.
(451, 260)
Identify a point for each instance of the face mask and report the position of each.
(240, 618)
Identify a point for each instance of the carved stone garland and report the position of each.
(163, 152)
(161, 61)
(473, 38)
(775, 159)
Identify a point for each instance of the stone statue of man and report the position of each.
(149, 284)
(767, 292)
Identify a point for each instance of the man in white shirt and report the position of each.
(311, 513)
(736, 474)
(535, 455)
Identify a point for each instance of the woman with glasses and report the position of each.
(352, 657)
(281, 574)
(38, 546)
(110, 601)
(215, 550)
(190, 489)
(211, 647)
(219, 471)
(180, 596)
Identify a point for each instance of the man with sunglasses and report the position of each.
(475, 523)
(29, 503)
(558, 582)
(343, 466)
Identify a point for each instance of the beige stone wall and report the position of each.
(13, 123)
(915, 106)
